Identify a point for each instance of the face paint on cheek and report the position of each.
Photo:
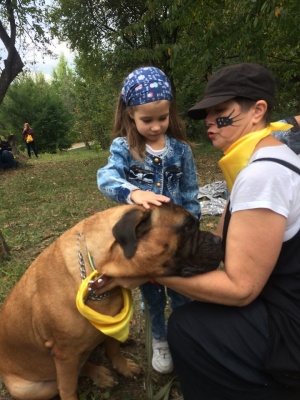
(226, 121)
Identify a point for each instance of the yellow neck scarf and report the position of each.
(117, 326)
(237, 156)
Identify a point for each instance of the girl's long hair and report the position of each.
(26, 126)
(124, 126)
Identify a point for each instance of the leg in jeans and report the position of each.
(177, 299)
(155, 297)
(28, 149)
(219, 352)
(7, 160)
(32, 144)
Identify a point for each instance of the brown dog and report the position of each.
(45, 342)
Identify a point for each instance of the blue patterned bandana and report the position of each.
(145, 85)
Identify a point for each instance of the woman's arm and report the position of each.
(254, 242)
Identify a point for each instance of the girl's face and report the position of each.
(152, 121)
(243, 122)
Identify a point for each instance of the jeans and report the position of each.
(29, 146)
(156, 297)
(7, 160)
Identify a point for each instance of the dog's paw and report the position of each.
(128, 368)
(105, 378)
(101, 376)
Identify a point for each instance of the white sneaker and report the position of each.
(161, 360)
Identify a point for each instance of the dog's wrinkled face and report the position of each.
(205, 253)
(166, 240)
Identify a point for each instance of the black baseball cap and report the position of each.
(248, 80)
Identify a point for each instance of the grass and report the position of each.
(43, 199)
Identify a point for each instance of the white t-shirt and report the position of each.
(267, 184)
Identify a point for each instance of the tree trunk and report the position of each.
(13, 64)
(4, 250)
(87, 145)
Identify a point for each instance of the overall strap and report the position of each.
(282, 162)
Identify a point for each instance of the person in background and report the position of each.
(151, 162)
(7, 159)
(290, 137)
(29, 139)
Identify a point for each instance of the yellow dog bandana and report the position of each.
(237, 156)
(117, 326)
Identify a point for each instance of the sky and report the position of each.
(47, 64)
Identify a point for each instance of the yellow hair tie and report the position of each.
(117, 326)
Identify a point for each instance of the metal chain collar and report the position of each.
(91, 295)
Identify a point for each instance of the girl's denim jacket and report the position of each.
(172, 174)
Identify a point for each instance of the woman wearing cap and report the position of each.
(240, 339)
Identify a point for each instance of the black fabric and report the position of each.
(4, 145)
(219, 352)
(282, 298)
(279, 161)
(225, 225)
(292, 120)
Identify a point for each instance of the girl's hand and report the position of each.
(145, 198)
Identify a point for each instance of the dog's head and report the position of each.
(165, 240)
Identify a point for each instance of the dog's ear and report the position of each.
(132, 226)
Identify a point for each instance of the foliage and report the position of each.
(94, 106)
(63, 82)
(189, 40)
(110, 30)
(37, 102)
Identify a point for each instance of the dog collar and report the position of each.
(117, 326)
(96, 283)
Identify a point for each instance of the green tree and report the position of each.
(63, 81)
(94, 102)
(35, 101)
(120, 35)
(189, 40)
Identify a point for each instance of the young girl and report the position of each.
(151, 162)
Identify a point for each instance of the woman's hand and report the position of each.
(145, 198)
